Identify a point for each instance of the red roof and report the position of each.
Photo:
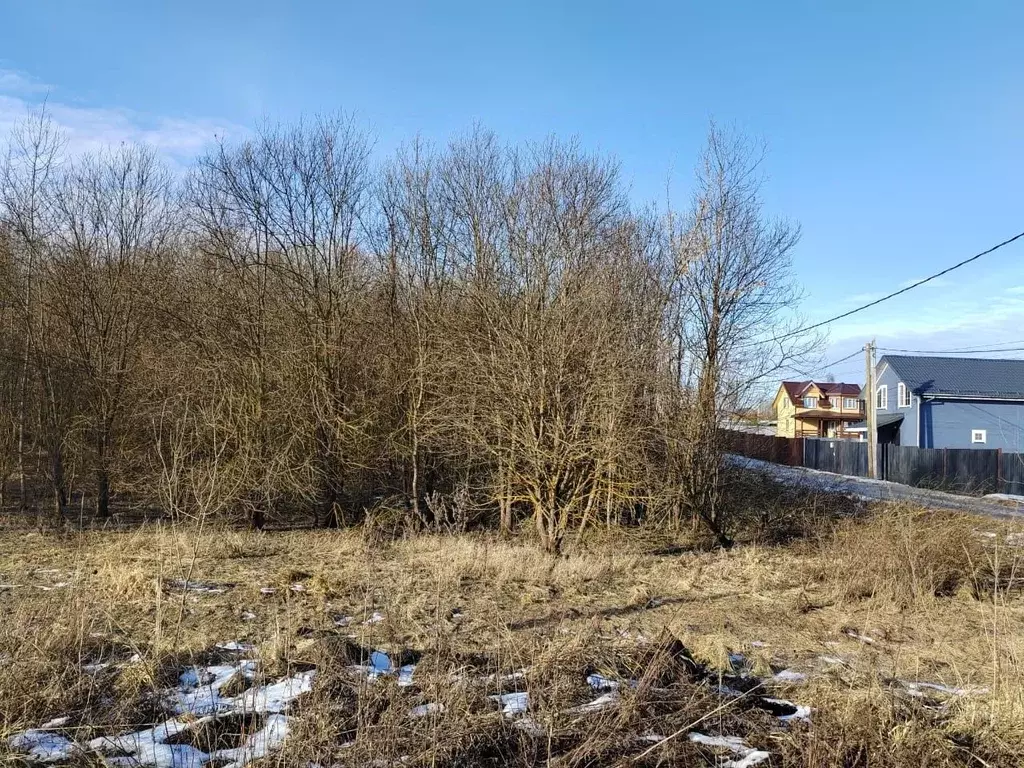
(796, 389)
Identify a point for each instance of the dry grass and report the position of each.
(899, 596)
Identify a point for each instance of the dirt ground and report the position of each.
(896, 639)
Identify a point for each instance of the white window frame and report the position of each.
(979, 436)
(904, 397)
(813, 399)
(882, 398)
(850, 404)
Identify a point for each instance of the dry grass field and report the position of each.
(895, 638)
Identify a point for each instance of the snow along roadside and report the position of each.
(867, 489)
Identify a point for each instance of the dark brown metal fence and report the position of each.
(958, 470)
(777, 450)
(844, 457)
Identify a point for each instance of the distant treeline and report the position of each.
(294, 332)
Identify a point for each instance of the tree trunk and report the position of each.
(60, 491)
(102, 493)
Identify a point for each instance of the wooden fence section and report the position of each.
(844, 457)
(958, 470)
(777, 450)
(1011, 473)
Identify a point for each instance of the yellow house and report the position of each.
(817, 409)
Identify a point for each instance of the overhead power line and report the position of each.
(910, 287)
(953, 351)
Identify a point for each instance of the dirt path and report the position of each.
(881, 490)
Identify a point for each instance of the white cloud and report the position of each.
(88, 129)
(13, 81)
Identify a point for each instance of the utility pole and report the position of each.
(869, 404)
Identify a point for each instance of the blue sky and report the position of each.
(895, 130)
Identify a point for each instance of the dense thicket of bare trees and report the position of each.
(292, 332)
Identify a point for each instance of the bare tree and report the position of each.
(413, 245)
(114, 220)
(735, 290)
(279, 213)
(26, 182)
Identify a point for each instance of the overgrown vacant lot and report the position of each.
(896, 638)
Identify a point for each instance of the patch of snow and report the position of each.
(274, 697)
(758, 644)
(133, 742)
(298, 587)
(602, 683)
(205, 587)
(160, 755)
(199, 688)
(40, 746)
(748, 755)
(802, 712)
(790, 676)
(426, 709)
(862, 638)
(918, 689)
(248, 616)
(405, 675)
(237, 645)
(509, 677)
(376, 618)
(380, 665)
(267, 590)
(601, 702)
(257, 745)
(1005, 497)
(832, 660)
(58, 585)
(512, 703)
(343, 621)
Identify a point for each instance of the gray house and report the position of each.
(950, 402)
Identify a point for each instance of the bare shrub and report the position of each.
(905, 554)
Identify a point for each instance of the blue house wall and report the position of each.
(949, 424)
(908, 433)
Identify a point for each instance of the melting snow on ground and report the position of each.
(790, 676)
(207, 587)
(512, 704)
(800, 711)
(426, 709)
(380, 666)
(196, 700)
(920, 689)
(257, 745)
(609, 699)
(42, 746)
(199, 698)
(748, 755)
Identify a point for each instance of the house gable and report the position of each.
(950, 399)
(984, 378)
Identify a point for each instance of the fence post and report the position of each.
(999, 471)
